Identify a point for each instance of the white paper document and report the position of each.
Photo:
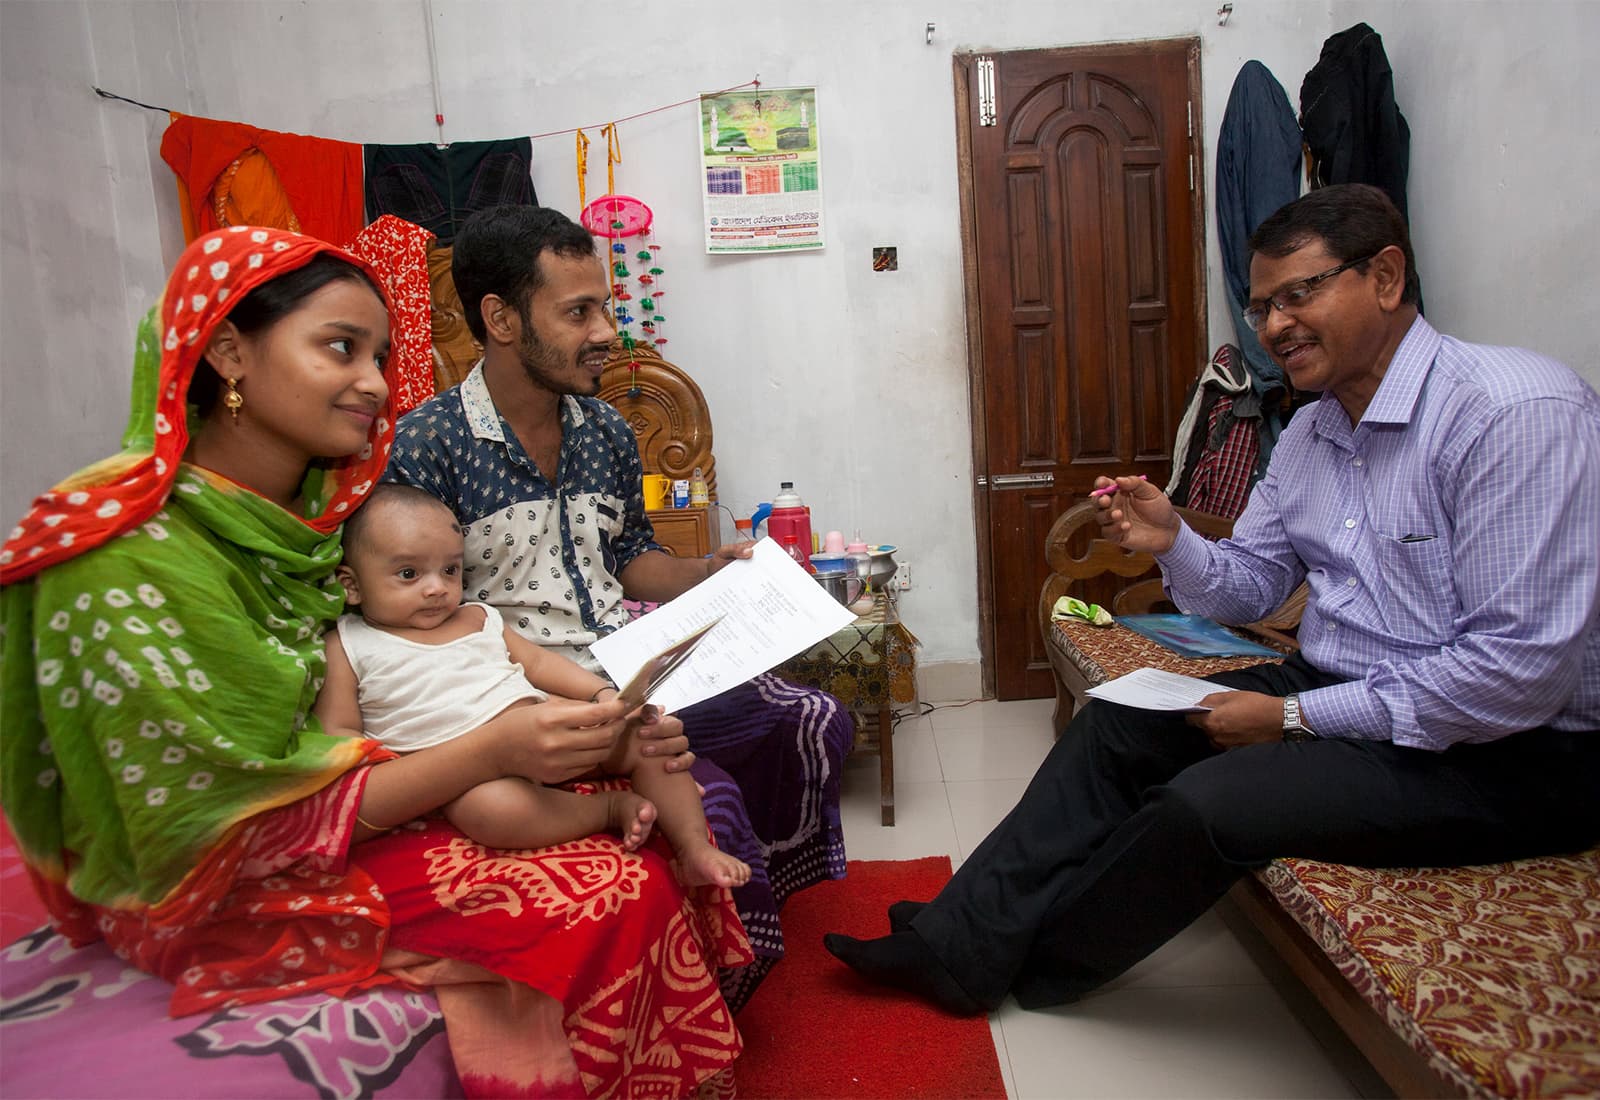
(766, 609)
(1153, 689)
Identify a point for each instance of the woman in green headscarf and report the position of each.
(171, 791)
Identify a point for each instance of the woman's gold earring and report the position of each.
(233, 399)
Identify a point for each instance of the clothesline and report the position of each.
(755, 83)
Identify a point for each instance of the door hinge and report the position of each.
(1190, 107)
(1191, 171)
(986, 98)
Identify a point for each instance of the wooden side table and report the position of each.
(686, 532)
(869, 665)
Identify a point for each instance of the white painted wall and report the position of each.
(1505, 147)
(84, 239)
(850, 383)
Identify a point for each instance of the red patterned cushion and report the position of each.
(1491, 973)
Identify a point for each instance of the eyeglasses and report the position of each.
(1292, 297)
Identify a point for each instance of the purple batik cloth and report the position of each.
(78, 1022)
(769, 755)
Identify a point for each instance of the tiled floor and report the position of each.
(1196, 1019)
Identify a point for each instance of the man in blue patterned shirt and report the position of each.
(545, 479)
(1442, 499)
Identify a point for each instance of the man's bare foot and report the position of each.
(703, 865)
(631, 817)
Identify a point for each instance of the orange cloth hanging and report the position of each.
(233, 174)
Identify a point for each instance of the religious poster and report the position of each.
(761, 155)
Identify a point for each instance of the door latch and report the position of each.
(986, 98)
(1017, 481)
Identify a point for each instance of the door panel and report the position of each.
(1082, 230)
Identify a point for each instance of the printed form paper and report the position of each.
(766, 609)
(1153, 689)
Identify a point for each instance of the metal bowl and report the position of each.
(882, 567)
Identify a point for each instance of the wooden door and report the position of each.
(1085, 288)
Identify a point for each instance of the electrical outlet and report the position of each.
(902, 577)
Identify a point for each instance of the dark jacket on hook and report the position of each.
(1353, 129)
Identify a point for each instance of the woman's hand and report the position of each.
(1138, 516)
(556, 740)
(662, 735)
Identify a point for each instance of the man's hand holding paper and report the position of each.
(760, 611)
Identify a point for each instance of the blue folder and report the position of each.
(1194, 636)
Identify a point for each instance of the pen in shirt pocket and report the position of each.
(1417, 538)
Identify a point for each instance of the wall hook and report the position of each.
(1223, 13)
(928, 35)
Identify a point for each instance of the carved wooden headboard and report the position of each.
(668, 414)
(454, 347)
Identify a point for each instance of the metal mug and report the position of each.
(842, 586)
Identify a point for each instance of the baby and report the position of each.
(417, 667)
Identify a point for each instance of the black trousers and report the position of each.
(1134, 826)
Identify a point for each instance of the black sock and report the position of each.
(904, 961)
(901, 914)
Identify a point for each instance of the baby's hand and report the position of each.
(663, 736)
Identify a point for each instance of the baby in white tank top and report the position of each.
(416, 667)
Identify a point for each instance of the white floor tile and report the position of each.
(1006, 1076)
(979, 805)
(922, 819)
(1204, 954)
(989, 714)
(1238, 1041)
(995, 752)
(916, 753)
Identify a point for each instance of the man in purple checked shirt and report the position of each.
(1442, 499)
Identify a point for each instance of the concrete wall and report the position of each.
(1505, 141)
(850, 383)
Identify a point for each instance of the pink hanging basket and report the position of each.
(601, 216)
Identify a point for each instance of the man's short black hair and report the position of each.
(383, 495)
(1350, 220)
(497, 252)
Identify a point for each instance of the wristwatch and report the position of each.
(1293, 728)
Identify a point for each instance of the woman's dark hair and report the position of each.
(1351, 220)
(270, 303)
(497, 252)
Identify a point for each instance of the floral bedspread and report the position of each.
(1491, 973)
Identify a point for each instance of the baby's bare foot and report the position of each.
(631, 818)
(703, 865)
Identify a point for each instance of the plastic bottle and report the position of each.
(699, 495)
(787, 497)
(791, 546)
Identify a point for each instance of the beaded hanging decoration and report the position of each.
(619, 219)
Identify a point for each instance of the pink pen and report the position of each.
(1109, 489)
